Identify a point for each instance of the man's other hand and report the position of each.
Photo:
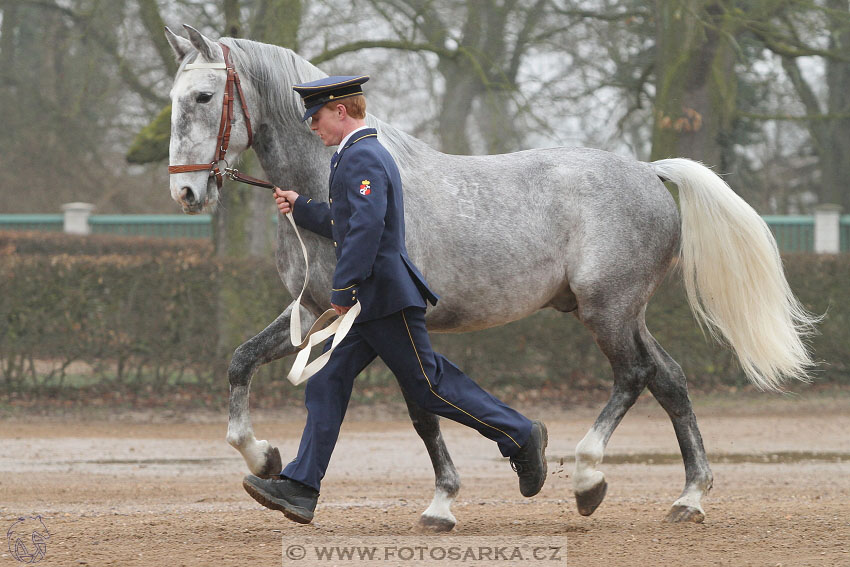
(285, 200)
(340, 310)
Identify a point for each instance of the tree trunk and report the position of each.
(152, 20)
(244, 224)
(232, 26)
(7, 41)
(830, 128)
(497, 123)
(461, 89)
(277, 22)
(834, 160)
(483, 70)
(695, 82)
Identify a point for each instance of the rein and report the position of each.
(339, 328)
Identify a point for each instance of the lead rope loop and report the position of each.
(300, 370)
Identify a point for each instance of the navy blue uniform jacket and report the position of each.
(365, 220)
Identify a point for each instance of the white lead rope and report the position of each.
(300, 370)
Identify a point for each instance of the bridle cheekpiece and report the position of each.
(233, 85)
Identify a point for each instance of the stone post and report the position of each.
(76, 219)
(827, 233)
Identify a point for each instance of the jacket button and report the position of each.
(332, 201)
(334, 243)
(332, 221)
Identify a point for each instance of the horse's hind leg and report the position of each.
(271, 344)
(669, 388)
(624, 343)
(438, 517)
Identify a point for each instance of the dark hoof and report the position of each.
(679, 514)
(434, 524)
(274, 464)
(589, 501)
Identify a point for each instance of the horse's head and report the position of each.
(197, 99)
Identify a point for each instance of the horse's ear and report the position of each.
(208, 49)
(180, 45)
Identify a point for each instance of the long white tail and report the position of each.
(734, 279)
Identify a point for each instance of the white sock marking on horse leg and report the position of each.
(441, 506)
(253, 451)
(691, 497)
(589, 453)
(695, 490)
(240, 433)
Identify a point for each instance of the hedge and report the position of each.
(137, 320)
(159, 315)
(26, 243)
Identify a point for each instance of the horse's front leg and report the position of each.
(438, 516)
(271, 344)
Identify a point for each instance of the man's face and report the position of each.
(328, 124)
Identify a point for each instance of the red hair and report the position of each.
(355, 106)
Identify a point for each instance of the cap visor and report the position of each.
(311, 111)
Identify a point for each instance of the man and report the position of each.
(364, 217)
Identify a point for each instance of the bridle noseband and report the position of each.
(223, 141)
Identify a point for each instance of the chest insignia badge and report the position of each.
(365, 187)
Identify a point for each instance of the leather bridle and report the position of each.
(232, 86)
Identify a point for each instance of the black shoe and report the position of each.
(297, 501)
(530, 461)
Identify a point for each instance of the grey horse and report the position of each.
(591, 233)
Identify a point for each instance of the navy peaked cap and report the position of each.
(317, 93)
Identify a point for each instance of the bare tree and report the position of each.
(243, 223)
(698, 51)
(695, 84)
(74, 92)
(653, 78)
(827, 116)
(480, 47)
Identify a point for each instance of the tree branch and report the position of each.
(790, 118)
(532, 18)
(109, 45)
(384, 44)
(792, 47)
(606, 17)
(152, 21)
(804, 90)
(807, 96)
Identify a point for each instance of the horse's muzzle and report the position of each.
(190, 202)
(188, 197)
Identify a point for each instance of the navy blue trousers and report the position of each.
(433, 382)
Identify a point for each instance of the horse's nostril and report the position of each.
(187, 196)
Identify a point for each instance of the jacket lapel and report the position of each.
(368, 132)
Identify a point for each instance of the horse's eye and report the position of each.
(203, 98)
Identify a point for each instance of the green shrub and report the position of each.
(56, 243)
(155, 318)
(150, 315)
